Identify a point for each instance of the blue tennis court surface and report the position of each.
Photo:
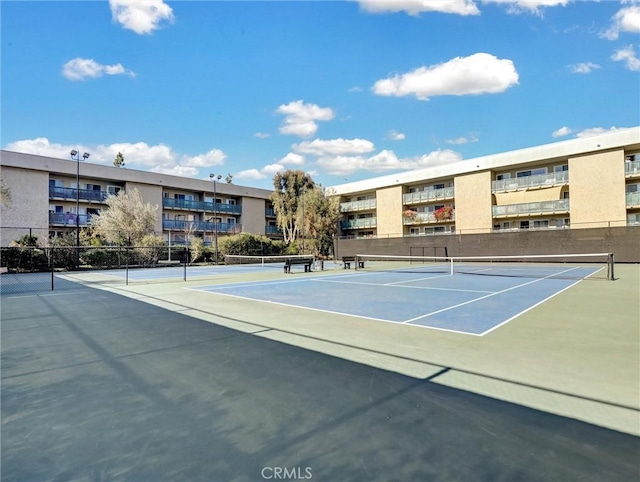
(472, 303)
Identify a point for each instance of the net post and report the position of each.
(610, 267)
(451, 266)
(356, 262)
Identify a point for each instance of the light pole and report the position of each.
(215, 178)
(75, 155)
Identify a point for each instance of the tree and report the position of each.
(320, 219)
(119, 160)
(289, 187)
(5, 194)
(127, 219)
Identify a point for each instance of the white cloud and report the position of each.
(292, 159)
(300, 118)
(82, 69)
(594, 131)
(141, 16)
(385, 161)
(394, 135)
(628, 55)
(462, 140)
(582, 67)
(257, 174)
(355, 89)
(479, 73)
(528, 6)
(563, 131)
(215, 157)
(416, 7)
(626, 19)
(139, 155)
(261, 135)
(319, 147)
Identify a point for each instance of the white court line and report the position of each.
(487, 296)
(333, 312)
(395, 285)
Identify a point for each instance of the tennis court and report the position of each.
(480, 296)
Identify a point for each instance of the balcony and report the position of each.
(187, 204)
(69, 219)
(428, 196)
(358, 223)
(633, 200)
(70, 193)
(632, 169)
(531, 182)
(544, 207)
(200, 226)
(270, 213)
(272, 230)
(426, 218)
(362, 205)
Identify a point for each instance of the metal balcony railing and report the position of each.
(200, 226)
(69, 219)
(425, 218)
(543, 207)
(201, 206)
(632, 168)
(272, 230)
(633, 199)
(358, 223)
(428, 196)
(70, 193)
(358, 205)
(541, 180)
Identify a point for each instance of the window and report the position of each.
(231, 220)
(541, 224)
(93, 187)
(563, 167)
(532, 172)
(524, 224)
(502, 177)
(633, 188)
(113, 190)
(55, 183)
(414, 231)
(231, 201)
(627, 158)
(438, 186)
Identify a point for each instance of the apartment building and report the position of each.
(53, 196)
(582, 183)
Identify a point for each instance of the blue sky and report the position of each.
(345, 90)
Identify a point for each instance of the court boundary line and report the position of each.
(485, 297)
(395, 285)
(330, 312)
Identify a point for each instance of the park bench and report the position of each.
(347, 260)
(307, 262)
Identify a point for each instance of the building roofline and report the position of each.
(556, 150)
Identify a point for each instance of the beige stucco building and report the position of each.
(582, 183)
(45, 200)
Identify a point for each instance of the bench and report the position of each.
(307, 262)
(347, 260)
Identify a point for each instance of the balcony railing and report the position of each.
(362, 205)
(428, 196)
(543, 207)
(632, 168)
(272, 230)
(633, 199)
(270, 212)
(73, 193)
(425, 218)
(200, 226)
(201, 206)
(541, 180)
(358, 223)
(69, 219)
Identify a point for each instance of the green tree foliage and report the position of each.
(289, 186)
(119, 160)
(319, 219)
(127, 218)
(249, 244)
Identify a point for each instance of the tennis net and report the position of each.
(555, 266)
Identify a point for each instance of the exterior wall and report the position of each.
(473, 203)
(597, 190)
(389, 211)
(150, 194)
(28, 207)
(253, 215)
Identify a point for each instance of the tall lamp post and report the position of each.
(75, 155)
(214, 178)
